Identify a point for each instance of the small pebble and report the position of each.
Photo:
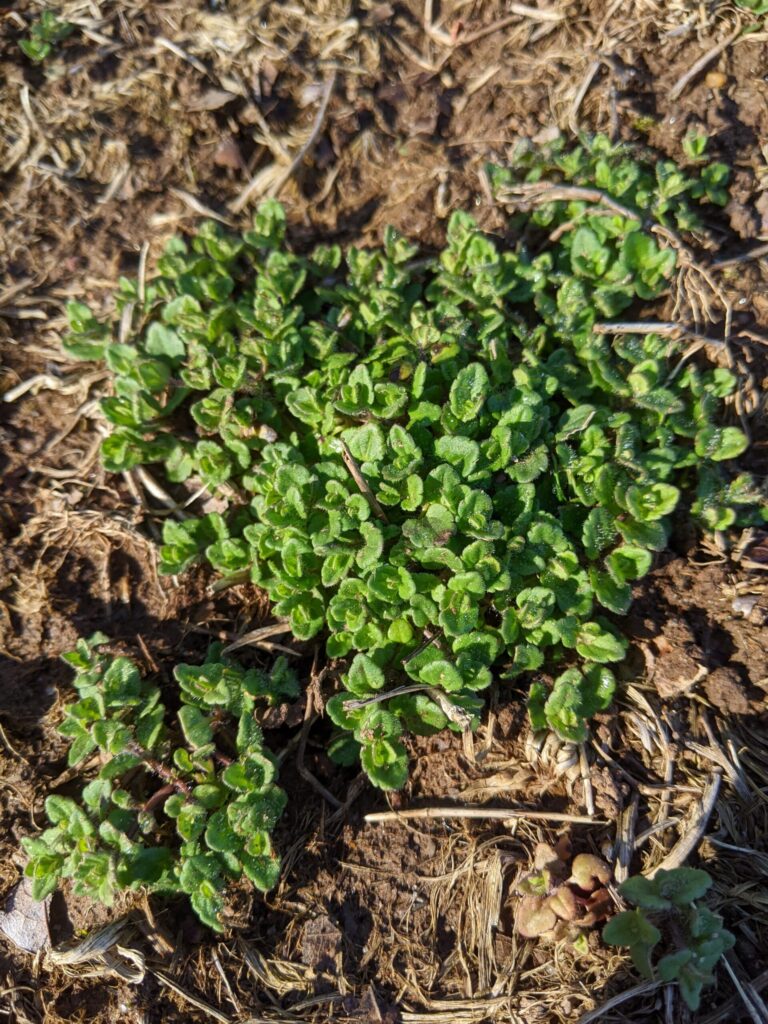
(744, 605)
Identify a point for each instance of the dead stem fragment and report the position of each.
(481, 814)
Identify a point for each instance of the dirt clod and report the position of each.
(679, 662)
(321, 945)
(725, 689)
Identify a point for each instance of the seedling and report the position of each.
(559, 901)
(437, 464)
(757, 7)
(695, 146)
(182, 808)
(43, 35)
(695, 936)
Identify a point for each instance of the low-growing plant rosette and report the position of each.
(668, 912)
(437, 464)
(187, 807)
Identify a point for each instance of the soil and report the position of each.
(148, 115)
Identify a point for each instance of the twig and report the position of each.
(578, 99)
(143, 270)
(33, 384)
(625, 839)
(667, 329)
(586, 780)
(702, 62)
(518, 11)
(669, 1005)
(748, 994)
(669, 778)
(351, 464)
(240, 200)
(427, 642)
(536, 14)
(480, 813)
(255, 636)
(309, 144)
(10, 748)
(200, 1004)
(550, 192)
(13, 289)
(725, 1013)
(223, 975)
(354, 791)
(378, 698)
(660, 826)
(453, 713)
(733, 261)
(160, 493)
(565, 227)
(715, 753)
(174, 48)
(434, 31)
(199, 207)
(309, 720)
(158, 796)
(682, 850)
(631, 993)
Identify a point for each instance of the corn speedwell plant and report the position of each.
(176, 809)
(697, 934)
(437, 463)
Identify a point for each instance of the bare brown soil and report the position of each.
(150, 114)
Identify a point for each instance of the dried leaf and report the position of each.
(212, 99)
(587, 870)
(534, 917)
(598, 908)
(564, 903)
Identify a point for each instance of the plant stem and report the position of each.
(159, 769)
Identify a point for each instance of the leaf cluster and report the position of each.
(185, 808)
(438, 463)
(698, 939)
(43, 35)
(658, 191)
(562, 897)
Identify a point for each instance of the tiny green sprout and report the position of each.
(43, 35)
(695, 146)
(437, 466)
(667, 909)
(182, 806)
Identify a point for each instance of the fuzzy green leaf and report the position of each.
(365, 443)
(469, 392)
(720, 443)
(364, 676)
(631, 928)
(599, 644)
